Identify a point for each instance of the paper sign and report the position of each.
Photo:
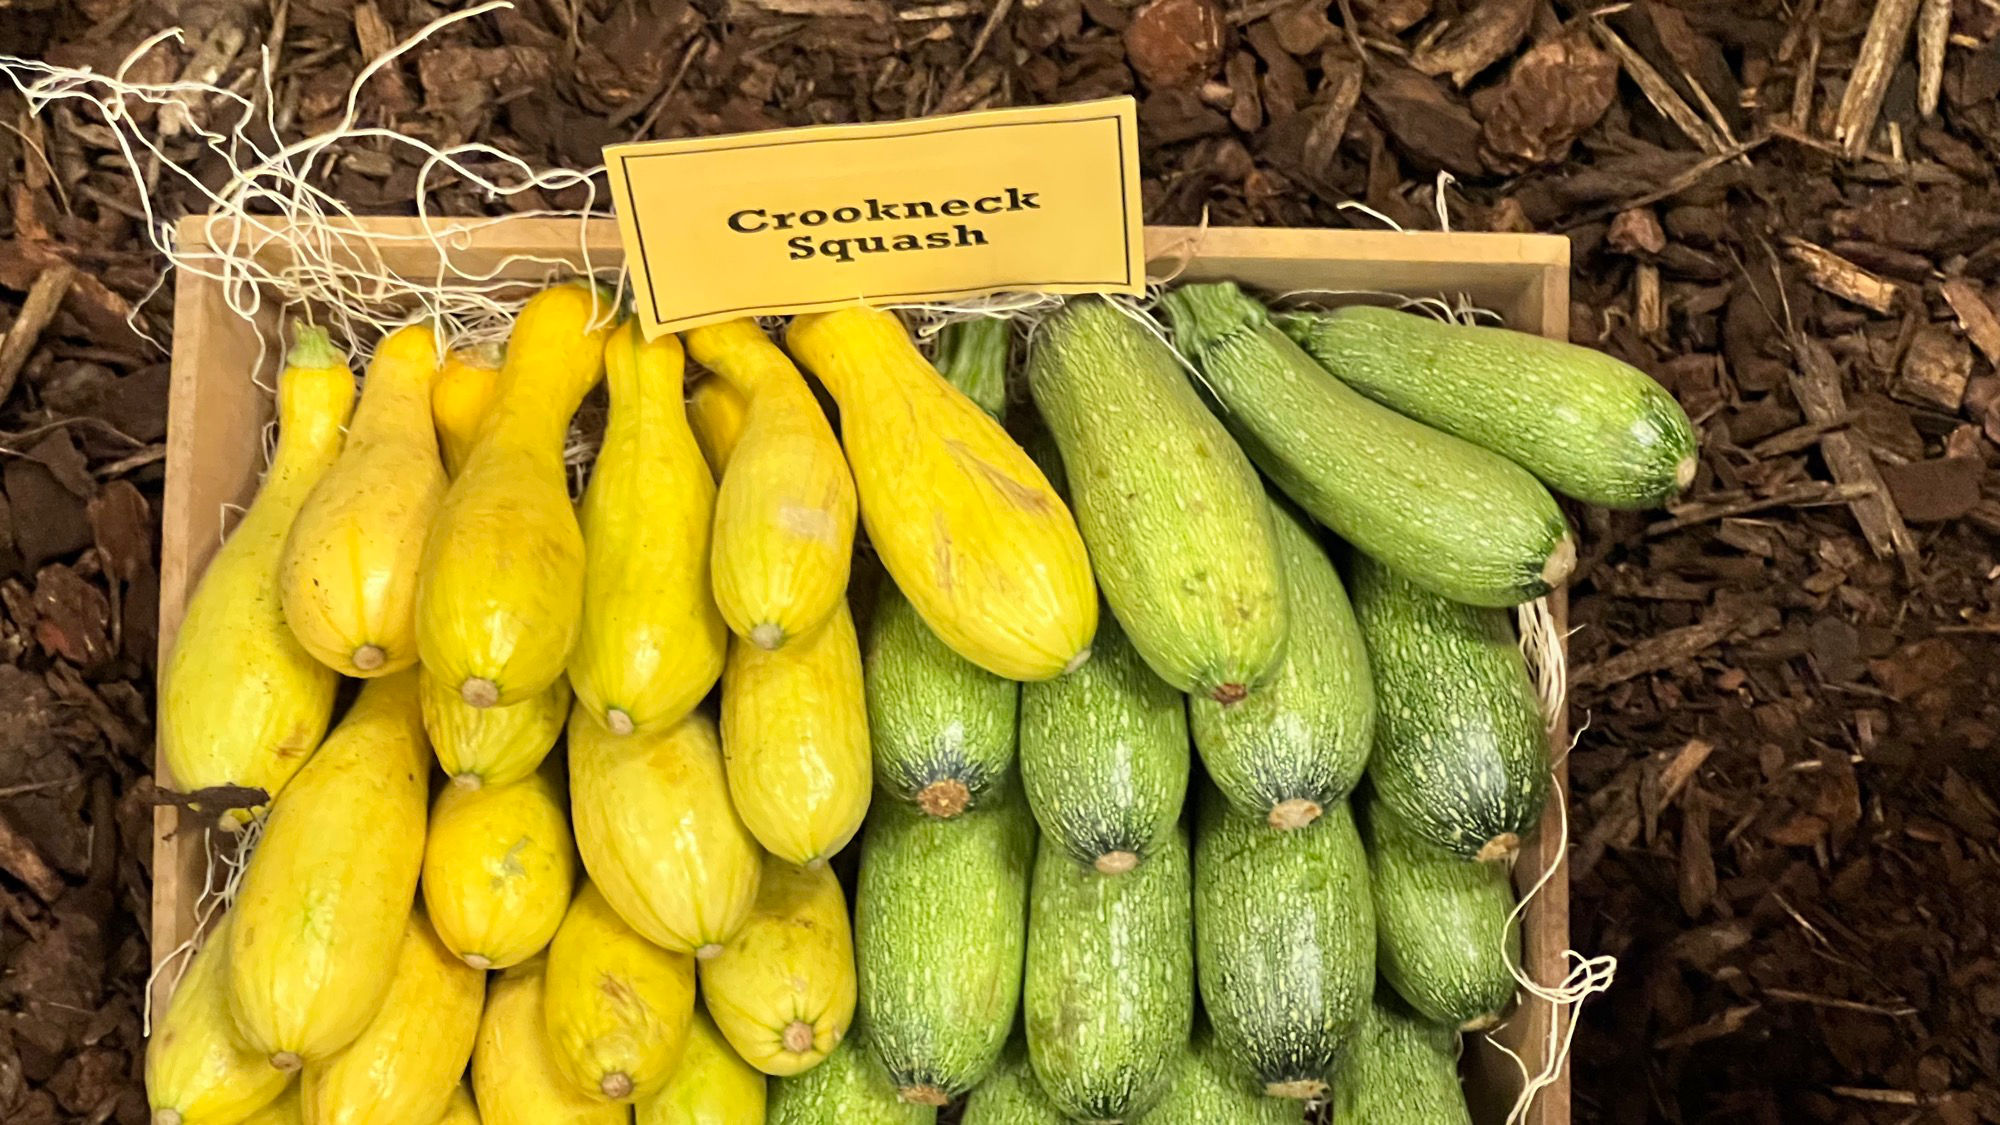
(1037, 199)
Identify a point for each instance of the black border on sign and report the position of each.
(1124, 204)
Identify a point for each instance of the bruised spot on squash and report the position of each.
(1023, 496)
(816, 524)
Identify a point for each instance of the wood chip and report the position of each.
(1816, 387)
(372, 31)
(1475, 41)
(1975, 316)
(1649, 314)
(1805, 494)
(1660, 92)
(1881, 51)
(1840, 277)
(1662, 650)
(1728, 1023)
(1933, 36)
(20, 858)
(1678, 772)
(1935, 369)
(44, 298)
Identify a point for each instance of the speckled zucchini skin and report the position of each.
(1109, 995)
(1284, 941)
(1172, 511)
(1208, 1090)
(1399, 1069)
(1104, 755)
(1300, 743)
(1012, 1095)
(1442, 938)
(1461, 520)
(1589, 425)
(940, 928)
(848, 1088)
(943, 728)
(1460, 751)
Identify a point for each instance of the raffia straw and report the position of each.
(218, 894)
(272, 233)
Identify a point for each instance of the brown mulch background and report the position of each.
(1786, 822)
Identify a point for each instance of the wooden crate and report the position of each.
(217, 413)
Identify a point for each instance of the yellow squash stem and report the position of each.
(963, 520)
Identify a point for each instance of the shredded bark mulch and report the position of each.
(1785, 818)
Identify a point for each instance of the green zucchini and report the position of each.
(1012, 1095)
(1460, 751)
(940, 926)
(1300, 743)
(1284, 941)
(1589, 425)
(847, 1087)
(1464, 521)
(1109, 996)
(1443, 938)
(972, 356)
(943, 727)
(1208, 1090)
(1401, 1069)
(1104, 755)
(1179, 533)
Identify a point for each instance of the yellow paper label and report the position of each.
(1041, 199)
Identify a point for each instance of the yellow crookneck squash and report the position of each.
(462, 1110)
(198, 1071)
(784, 514)
(716, 412)
(651, 642)
(322, 908)
(349, 574)
(241, 700)
(405, 1066)
(467, 383)
(963, 520)
(658, 833)
(795, 737)
(618, 1006)
(782, 991)
(499, 867)
(490, 745)
(289, 1109)
(501, 590)
(515, 1078)
(711, 1086)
